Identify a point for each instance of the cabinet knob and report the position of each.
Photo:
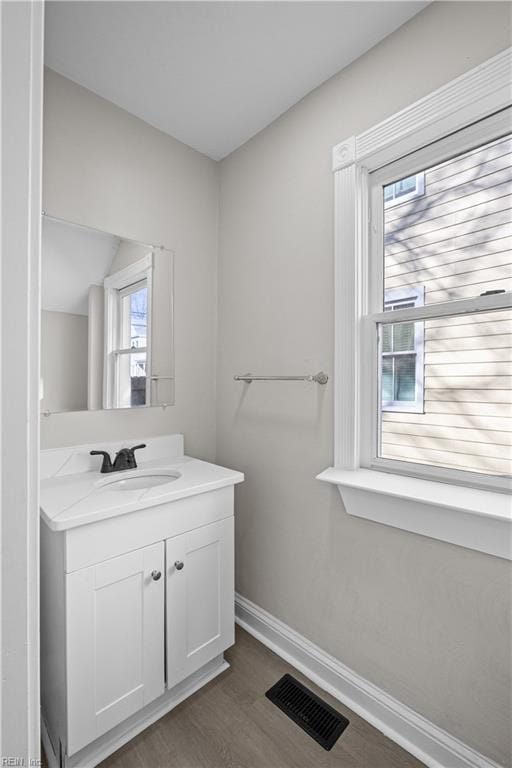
(178, 565)
(155, 575)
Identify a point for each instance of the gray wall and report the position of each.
(427, 621)
(107, 169)
(64, 341)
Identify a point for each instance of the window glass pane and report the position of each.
(462, 392)
(455, 239)
(387, 338)
(401, 366)
(404, 189)
(138, 378)
(132, 379)
(139, 317)
(134, 317)
(403, 337)
(387, 379)
(404, 186)
(405, 378)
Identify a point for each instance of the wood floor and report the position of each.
(230, 724)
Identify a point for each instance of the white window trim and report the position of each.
(418, 191)
(142, 269)
(414, 293)
(481, 92)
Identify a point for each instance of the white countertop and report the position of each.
(70, 500)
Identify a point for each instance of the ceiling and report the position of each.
(74, 258)
(212, 74)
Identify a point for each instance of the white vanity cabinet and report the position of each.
(115, 634)
(137, 604)
(200, 598)
(115, 641)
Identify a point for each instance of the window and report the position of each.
(404, 189)
(131, 349)
(127, 354)
(401, 355)
(454, 241)
(440, 264)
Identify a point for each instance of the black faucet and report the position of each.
(125, 459)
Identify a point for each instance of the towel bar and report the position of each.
(318, 378)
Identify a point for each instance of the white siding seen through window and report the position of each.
(445, 383)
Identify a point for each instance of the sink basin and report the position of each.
(140, 481)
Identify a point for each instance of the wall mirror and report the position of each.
(106, 321)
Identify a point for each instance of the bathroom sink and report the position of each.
(140, 481)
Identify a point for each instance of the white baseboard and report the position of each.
(426, 741)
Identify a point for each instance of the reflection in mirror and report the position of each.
(106, 321)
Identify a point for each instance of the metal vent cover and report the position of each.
(318, 719)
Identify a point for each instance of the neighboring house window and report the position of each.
(401, 354)
(127, 348)
(405, 189)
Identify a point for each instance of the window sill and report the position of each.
(476, 519)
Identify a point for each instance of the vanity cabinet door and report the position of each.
(115, 641)
(200, 598)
